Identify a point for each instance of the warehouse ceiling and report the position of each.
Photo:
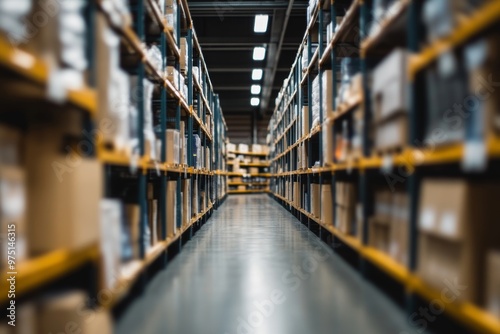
(226, 33)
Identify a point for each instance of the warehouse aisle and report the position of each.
(253, 268)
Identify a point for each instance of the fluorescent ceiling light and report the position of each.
(255, 89)
(257, 74)
(261, 23)
(255, 101)
(259, 53)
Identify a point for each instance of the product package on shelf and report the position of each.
(390, 102)
(446, 85)
(155, 57)
(12, 15)
(12, 213)
(345, 206)
(131, 233)
(328, 149)
(315, 103)
(150, 140)
(171, 9)
(350, 80)
(316, 200)
(113, 85)
(455, 233)
(243, 148)
(172, 146)
(111, 240)
(154, 226)
(183, 60)
(327, 94)
(171, 208)
(186, 201)
(482, 65)
(305, 121)
(197, 158)
(63, 201)
(327, 206)
(492, 293)
(61, 42)
(389, 226)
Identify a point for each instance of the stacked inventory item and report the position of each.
(248, 168)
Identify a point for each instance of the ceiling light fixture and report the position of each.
(257, 74)
(255, 89)
(259, 53)
(261, 23)
(255, 101)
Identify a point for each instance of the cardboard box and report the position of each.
(392, 134)
(231, 147)
(195, 199)
(153, 221)
(256, 148)
(492, 291)
(208, 159)
(297, 194)
(383, 205)
(455, 232)
(171, 208)
(345, 193)
(389, 89)
(400, 233)
(327, 94)
(243, 148)
(184, 55)
(379, 234)
(186, 202)
(58, 313)
(172, 146)
(111, 241)
(10, 146)
(12, 213)
(328, 148)
(242, 188)
(305, 121)
(254, 170)
(359, 222)
(133, 219)
(316, 200)
(63, 198)
(327, 204)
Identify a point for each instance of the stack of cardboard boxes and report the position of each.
(389, 226)
(458, 237)
(389, 99)
(345, 206)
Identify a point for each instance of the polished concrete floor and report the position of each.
(253, 268)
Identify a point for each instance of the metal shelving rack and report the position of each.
(262, 187)
(46, 270)
(400, 29)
